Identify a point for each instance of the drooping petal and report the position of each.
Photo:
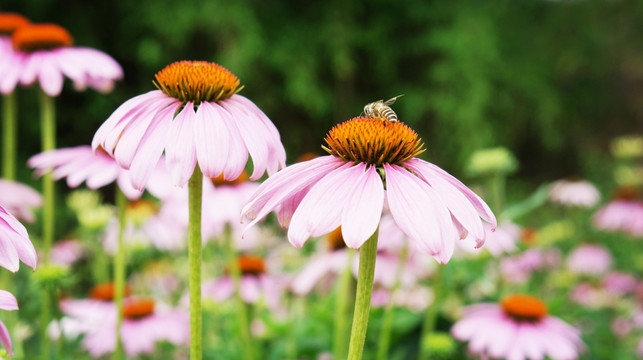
(321, 209)
(180, 150)
(5, 339)
(50, 77)
(151, 147)
(211, 139)
(452, 197)
(285, 184)
(361, 216)
(419, 213)
(8, 301)
(481, 207)
(237, 151)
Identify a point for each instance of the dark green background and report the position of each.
(553, 81)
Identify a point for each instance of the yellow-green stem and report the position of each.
(366, 272)
(342, 315)
(432, 311)
(387, 322)
(243, 322)
(48, 142)
(9, 134)
(119, 271)
(195, 191)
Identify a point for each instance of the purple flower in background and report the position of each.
(19, 199)
(44, 53)
(589, 259)
(579, 193)
(518, 328)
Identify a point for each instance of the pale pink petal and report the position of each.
(419, 213)
(211, 139)
(456, 202)
(285, 184)
(220, 289)
(5, 339)
(50, 77)
(320, 211)
(361, 215)
(30, 66)
(481, 207)
(249, 289)
(180, 151)
(8, 301)
(237, 151)
(151, 147)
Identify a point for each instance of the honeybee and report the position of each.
(381, 109)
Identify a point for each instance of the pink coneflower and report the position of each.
(80, 164)
(44, 53)
(589, 259)
(9, 22)
(196, 116)
(625, 213)
(7, 302)
(144, 324)
(518, 328)
(255, 283)
(619, 283)
(19, 199)
(498, 242)
(15, 243)
(579, 193)
(518, 268)
(66, 252)
(147, 224)
(346, 189)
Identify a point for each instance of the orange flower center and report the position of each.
(336, 240)
(197, 81)
(373, 141)
(251, 264)
(106, 291)
(528, 236)
(220, 181)
(523, 307)
(34, 37)
(140, 210)
(139, 308)
(10, 22)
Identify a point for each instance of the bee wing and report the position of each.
(392, 100)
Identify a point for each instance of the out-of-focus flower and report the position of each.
(147, 224)
(44, 54)
(491, 161)
(19, 199)
(196, 117)
(579, 193)
(9, 22)
(7, 302)
(145, 323)
(501, 241)
(255, 283)
(627, 147)
(66, 252)
(439, 345)
(221, 206)
(619, 283)
(83, 199)
(347, 189)
(518, 328)
(518, 268)
(623, 214)
(416, 298)
(80, 164)
(15, 243)
(628, 175)
(589, 259)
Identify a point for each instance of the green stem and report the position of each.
(387, 322)
(243, 322)
(296, 305)
(195, 191)
(119, 271)
(342, 316)
(497, 185)
(9, 131)
(431, 312)
(48, 142)
(366, 272)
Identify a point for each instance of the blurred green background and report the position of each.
(553, 81)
